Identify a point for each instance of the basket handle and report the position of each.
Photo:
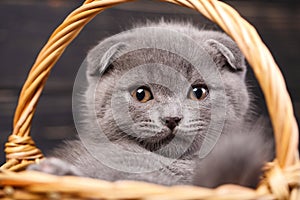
(20, 149)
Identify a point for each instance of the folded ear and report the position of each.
(226, 53)
(102, 56)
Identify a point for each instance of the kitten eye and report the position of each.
(142, 94)
(198, 92)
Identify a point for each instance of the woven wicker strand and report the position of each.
(41, 185)
(281, 179)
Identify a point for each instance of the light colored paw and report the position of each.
(55, 166)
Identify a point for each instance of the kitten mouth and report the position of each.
(158, 141)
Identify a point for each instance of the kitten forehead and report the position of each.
(162, 38)
(157, 64)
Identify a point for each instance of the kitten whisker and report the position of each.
(199, 107)
(194, 124)
(188, 129)
(149, 130)
(195, 120)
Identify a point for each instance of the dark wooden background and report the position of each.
(25, 26)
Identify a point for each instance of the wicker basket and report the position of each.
(282, 176)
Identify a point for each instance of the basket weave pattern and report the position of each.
(282, 176)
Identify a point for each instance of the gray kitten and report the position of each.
(155, 104)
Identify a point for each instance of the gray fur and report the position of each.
(107, 60)
(238, 156)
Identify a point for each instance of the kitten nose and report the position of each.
(171, 122)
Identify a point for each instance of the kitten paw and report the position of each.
(55, 166)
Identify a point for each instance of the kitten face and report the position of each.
(150, 99)
(168, 110)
